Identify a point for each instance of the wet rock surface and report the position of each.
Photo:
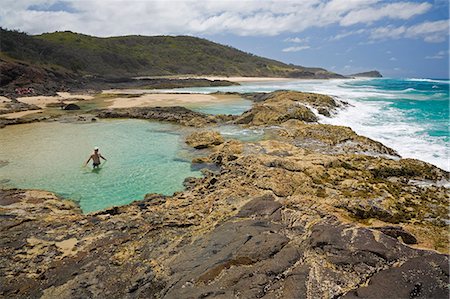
(174, 114)
(276, 219)
(204, 139)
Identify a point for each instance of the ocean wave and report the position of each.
(442, 81)
(393, 128)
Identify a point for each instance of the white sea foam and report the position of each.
(428, 80)
(370, 113)
(392, 127)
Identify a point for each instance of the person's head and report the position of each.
(96, 149)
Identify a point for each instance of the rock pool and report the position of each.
(143, 157)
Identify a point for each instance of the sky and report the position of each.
(398, 38)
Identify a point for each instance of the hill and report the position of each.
(369, 74)
(144, 56)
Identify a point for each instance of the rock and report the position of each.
(282, 106)
(311, 211)
(204, 139)
(397, 232)
(421, 277)
(330, 139)
(174, 114)
(71, 106)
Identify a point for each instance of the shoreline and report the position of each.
(308, 190)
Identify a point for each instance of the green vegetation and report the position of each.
(143, 56)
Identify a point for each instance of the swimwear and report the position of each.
(95, 164)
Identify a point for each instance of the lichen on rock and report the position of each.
(310, 211)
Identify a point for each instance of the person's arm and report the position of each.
(102, 157)
(88, 161)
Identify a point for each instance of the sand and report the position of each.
(166, 99)
(247, 79)
(232, 79)
(19, 114)
(43, 101)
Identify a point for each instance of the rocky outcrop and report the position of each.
(71, 106)
(279, 106)
(204, 139)
(311, 211)
(22, 78)
(174, 114)
(15, 106)
(329, 139)
(275, 220)
(369, 74)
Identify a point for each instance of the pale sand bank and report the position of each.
(43, 101)
(246, 79)
(19, 114)
(232, 79)
(166, 99)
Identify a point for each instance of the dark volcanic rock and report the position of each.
(72, 107)
(421, 277)
(396, 232)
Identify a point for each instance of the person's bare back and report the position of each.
(95, 157)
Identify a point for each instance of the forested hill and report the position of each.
(142, 55)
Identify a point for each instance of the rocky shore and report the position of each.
(20, 78)
(309, 211)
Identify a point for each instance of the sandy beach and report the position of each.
(43, 101)
(246, 79)
(166, 99)
(19, 114)
(232, 79)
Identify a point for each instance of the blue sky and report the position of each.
(399, 38)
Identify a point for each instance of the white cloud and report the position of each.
(296, 40)
(245, 18)
(432, 32)
(393, 59)
(348, 33)
(296, 49)
(438, 55)
(400, 10)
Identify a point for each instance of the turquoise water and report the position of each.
(143, 157)
(234, 107)
(409, 115)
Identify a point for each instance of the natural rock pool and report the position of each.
(143, 157)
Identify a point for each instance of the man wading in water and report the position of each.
(95, 158)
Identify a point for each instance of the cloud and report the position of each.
(206, 17)
(296, 49)
(348, 33)
(393, 59)
(400, 10)
(296, 40)
(438, 55)
(432, 32)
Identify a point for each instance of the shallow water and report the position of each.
(143, 157)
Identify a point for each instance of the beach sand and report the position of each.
(166, 99)
(247, 79)
(43, 101)
(19, 114)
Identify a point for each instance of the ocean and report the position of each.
(409, 115)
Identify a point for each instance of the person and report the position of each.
(95, 158)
